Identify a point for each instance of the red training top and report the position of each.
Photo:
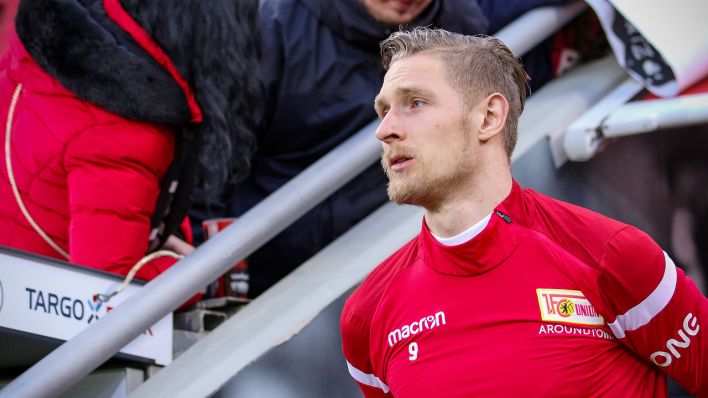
(550, 299)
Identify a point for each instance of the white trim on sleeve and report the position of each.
(366, 378)
(643, 312)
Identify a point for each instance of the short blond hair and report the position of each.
(477, 66)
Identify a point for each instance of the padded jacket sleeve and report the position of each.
(113, 182)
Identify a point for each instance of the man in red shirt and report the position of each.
(505, 292)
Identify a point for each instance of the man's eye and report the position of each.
(417, 103)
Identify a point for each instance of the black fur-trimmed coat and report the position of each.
(122, 102)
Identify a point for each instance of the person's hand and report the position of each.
(178, 246)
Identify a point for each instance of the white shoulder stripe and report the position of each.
(366, 378)
(643, 312)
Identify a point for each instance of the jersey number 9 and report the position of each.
(413, 351)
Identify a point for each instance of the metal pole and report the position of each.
(76, 358)
(645, 116)
(285, 309)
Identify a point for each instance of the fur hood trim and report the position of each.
(97, 51)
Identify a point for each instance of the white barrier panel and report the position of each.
(663, 44)
(57, 301)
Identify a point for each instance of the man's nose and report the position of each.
(389, 129)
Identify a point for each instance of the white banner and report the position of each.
(663, 44)
(58, 302)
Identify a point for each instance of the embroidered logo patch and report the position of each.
(567, 306)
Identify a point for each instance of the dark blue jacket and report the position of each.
(321, 69)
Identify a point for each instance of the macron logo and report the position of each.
(424, 324)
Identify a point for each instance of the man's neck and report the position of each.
(470, 204)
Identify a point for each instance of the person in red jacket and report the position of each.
(505, 292)
(112, 109)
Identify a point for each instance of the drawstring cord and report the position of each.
(11, 176)
(104, 298)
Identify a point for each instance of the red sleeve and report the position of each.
(355, 345)
(113, 182)
(357, 316)
(654, 309)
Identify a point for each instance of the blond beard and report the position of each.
(396, 192)
(427, 189)
(412, 192)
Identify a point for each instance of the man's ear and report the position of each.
(495, 109)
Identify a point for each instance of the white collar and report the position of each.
(466, 235)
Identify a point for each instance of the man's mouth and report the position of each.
(399, 162)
